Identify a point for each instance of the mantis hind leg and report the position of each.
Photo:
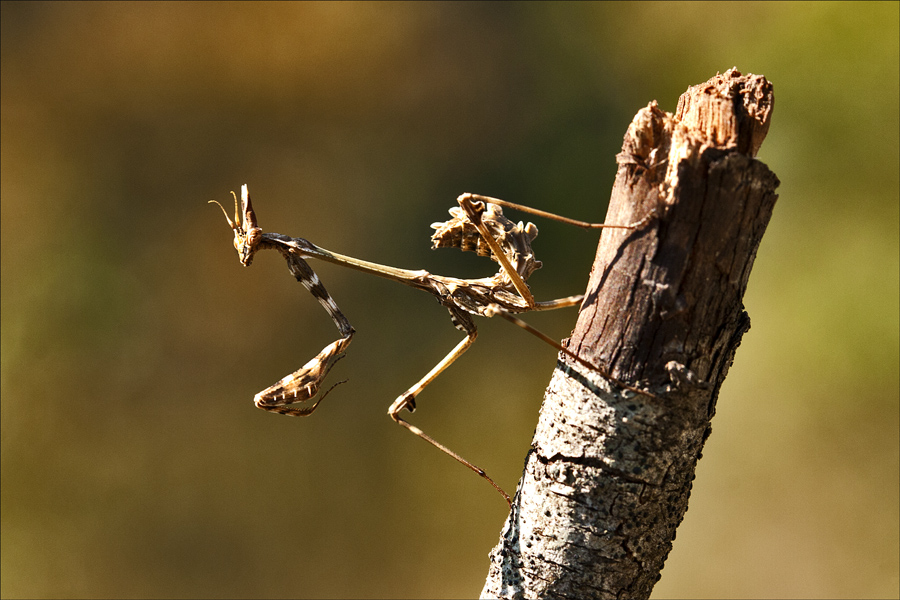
(407, 401)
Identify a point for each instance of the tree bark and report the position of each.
(609, 472)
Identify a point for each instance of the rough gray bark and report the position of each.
(609, 473)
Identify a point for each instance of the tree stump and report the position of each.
(609, 472)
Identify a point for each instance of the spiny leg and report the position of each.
(407, 401)
(301, 271)
(304, 383)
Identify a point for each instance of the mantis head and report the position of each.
(247, 233)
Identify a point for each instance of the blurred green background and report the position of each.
(134, 463)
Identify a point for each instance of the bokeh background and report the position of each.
(133, 461)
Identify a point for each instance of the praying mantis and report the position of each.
(477, 225)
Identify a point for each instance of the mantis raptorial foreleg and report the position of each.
(304, 383)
